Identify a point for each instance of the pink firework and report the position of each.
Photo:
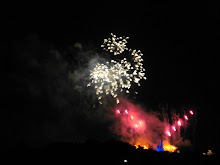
(186, 117)
(174, 128)
(168, 133)
(191, 112)
(118, 111)
(126, 111)
(179, 123)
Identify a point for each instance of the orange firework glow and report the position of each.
(167, 146)
(145, 147)
(145, 130)
(170, 148)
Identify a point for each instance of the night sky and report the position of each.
(180, 43)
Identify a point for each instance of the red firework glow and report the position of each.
(179, 123)
(168, 133)
(191, 112)
(118, 111)
(142, 129)
(186, 117)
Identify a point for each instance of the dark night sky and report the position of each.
(180, 43)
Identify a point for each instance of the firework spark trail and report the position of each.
(114, 77)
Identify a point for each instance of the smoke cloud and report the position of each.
(47, 98)
(138, 127)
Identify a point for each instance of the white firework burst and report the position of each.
(114, 77)
(117, 45)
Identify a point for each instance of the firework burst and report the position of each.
(117, 45)
(114, 77)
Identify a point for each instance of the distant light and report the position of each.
(209, 152)
(136, 125)
(179, 123)
(174, 128)
(191, 112)
(125, 160)
(132, 117)
(118, 111)
(126, 111)
(186, 117)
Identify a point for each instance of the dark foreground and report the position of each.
(101, 153)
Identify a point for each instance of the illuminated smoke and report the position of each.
(144, 129)
(138, 128)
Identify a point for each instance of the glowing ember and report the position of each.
(186, 117)
(118, 111)
(168, 133)
(191, 112)
(179, 123)
(132, 117)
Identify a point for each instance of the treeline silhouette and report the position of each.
(110, 152)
